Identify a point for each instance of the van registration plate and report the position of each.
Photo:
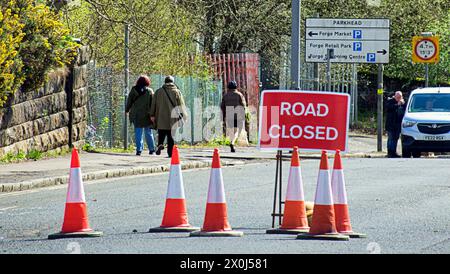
(435, 138)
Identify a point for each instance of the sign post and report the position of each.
(380, 93)
(330, 55)
(127, 84)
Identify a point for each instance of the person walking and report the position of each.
(395, 111)
(167, 113)
(138, 109)
(233, 108)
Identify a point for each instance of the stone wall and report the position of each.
(43, 120)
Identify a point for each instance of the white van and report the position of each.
(426, 124)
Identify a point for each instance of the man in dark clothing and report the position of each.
(233, 109)
(395, 111)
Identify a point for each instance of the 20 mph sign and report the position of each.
(309, 120)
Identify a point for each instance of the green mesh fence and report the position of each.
(106, 108)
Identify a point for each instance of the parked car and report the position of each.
(426, 124)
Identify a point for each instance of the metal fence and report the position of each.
(106, 107)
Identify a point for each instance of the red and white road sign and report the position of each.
(309, 120)
(425, 49)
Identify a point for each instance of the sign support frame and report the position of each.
(278, 190)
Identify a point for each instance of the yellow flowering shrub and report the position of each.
(11, 36)
(33, 41)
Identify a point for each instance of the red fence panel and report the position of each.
(244, 69)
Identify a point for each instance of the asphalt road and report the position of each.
(402, 205)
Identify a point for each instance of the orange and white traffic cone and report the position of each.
(295, 220)
(342, 215)
(175, 213)
(216, 217)
(323, 225)
(76, 223)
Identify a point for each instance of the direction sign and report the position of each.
(353, 40)
(309, 120)
(425, 49)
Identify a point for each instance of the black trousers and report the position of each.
(162, 134)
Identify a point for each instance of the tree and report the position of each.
(161, 34)
(230, 26)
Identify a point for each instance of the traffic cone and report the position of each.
(295, 220)
(216, 217)
(342, 215)
(323, 225)
(175, 214)
(76, 223)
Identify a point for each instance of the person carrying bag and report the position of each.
(167, 113)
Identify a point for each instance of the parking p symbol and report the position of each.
(371, 57)
(357, 34)
(357, 46)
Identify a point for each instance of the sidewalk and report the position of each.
(95, 166)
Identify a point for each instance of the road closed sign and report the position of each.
(309, 120)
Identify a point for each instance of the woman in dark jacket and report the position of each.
(138, 106)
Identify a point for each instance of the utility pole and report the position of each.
(380, 108)
(295, 42)
(127, 84)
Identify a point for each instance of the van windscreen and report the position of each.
(436, 102)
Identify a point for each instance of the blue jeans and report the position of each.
(393, 137)
(138, 132)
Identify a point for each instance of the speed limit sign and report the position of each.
(425, 49)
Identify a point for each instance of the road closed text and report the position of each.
(309, 120)
(309, 132)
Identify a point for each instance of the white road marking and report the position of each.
(6, 208)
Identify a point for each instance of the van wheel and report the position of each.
(416, 154)
(406, 153)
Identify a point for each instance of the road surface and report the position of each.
(403, 205)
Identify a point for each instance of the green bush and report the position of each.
(219, 141)
(11, 35)
(34, 155)
(88, 148)
(33, 41)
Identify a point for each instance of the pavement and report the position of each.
(406, 210)
(95, 166)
